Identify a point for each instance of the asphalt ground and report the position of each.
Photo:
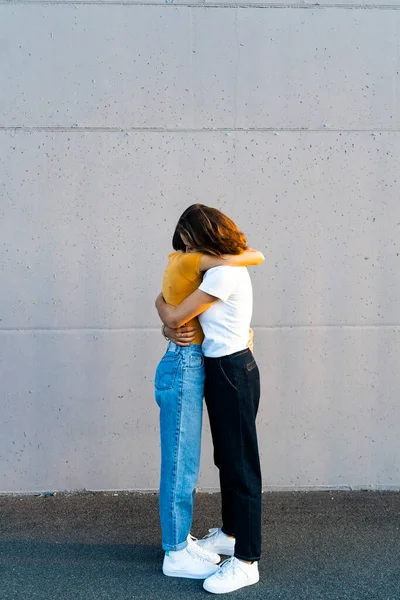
(316, 545)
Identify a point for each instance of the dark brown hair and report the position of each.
(208, 230)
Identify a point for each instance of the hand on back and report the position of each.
(182, 336)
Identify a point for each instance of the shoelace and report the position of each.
(212, 532)
(230, 565)
(202, 556)
(206, 554)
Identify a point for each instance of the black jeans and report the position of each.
(232, 393)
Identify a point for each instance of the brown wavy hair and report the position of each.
(208, 230)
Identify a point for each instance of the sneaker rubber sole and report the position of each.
(231, 589)
(172, 573)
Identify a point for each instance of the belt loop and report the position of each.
(177, 349)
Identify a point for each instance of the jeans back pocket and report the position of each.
(166, 372)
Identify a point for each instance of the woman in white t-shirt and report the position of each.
(232, 393)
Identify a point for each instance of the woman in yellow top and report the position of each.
(179, 390)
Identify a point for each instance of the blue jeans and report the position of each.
(179, 391)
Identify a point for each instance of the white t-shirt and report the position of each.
(226, 323)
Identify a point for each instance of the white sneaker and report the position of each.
(217, 541)
(187, 563)
(232, 575)
(212, 557)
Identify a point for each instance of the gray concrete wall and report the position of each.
(116, 116)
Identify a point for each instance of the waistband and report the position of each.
(227, 356)
(191, 349)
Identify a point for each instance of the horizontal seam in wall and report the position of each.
(128, 130)
(202, 4)
(157, 329)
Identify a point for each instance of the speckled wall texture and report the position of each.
(116, 116)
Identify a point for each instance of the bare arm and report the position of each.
(183, 336)
(248, 258)
(193, 305)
